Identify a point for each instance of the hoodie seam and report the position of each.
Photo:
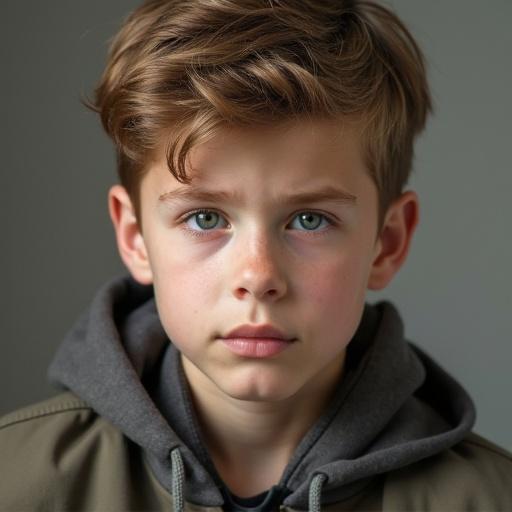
(24, 416)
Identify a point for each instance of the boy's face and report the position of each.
(259, 256)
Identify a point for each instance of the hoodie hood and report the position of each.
(394, 405)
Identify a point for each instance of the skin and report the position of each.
(260, 264)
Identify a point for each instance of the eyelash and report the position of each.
(206, 232)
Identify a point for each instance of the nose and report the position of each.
(258, 269)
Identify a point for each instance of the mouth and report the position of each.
(265, 331)
(257, 341)
(256, 347)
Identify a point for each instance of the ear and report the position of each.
(394, 239)
(130, 242)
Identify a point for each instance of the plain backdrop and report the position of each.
(57, 244)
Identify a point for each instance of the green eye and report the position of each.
(310, 221)
(206, 219)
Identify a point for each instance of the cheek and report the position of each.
(335, 294)
(338, 283)
(183, 292)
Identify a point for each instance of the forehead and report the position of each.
(295, 156)
(300, 143)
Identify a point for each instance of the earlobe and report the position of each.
(394, 240)
(130, 241)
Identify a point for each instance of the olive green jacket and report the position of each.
(59, 455)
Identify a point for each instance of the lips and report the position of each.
(258, 331)
(257, 341)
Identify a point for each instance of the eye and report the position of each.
(204, 220)
(310, 221)
(201, 221)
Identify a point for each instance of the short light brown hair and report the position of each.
(199, 65)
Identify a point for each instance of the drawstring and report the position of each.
(315, 491)
(178, 477)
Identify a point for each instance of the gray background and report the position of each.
(58, 246)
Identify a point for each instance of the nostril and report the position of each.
(242, 292)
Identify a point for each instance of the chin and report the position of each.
(258, 396)
(257, 388)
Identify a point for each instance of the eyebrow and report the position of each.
(329, 194)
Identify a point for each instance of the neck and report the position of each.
(251, 442)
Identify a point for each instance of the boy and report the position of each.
(263, 148)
